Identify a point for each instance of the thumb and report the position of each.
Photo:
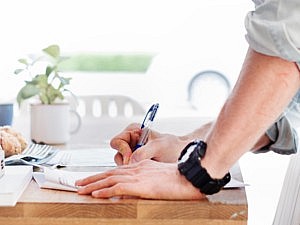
(141, 154)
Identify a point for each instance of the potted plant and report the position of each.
(48, 85)
(50, 115)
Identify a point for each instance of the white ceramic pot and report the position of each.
(51, 124)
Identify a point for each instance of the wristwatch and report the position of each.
(189, 165)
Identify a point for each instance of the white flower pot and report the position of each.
(51, 124)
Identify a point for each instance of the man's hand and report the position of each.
(125, 142)
(159, 147)
(147, 179)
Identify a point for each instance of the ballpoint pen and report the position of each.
(146, 125)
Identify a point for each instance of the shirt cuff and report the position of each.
(284, 139)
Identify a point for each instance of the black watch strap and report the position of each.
(196, 174)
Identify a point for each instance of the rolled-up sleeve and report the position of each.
(274, 28)
(284, 132)
(284, 139)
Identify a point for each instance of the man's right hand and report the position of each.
(159, 147)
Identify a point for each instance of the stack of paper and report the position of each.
(13, 184)
(65, 180)
(59, 179)
(79, 163)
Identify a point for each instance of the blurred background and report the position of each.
(149, 50)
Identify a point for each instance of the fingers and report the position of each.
(122, 181)
(105, 183)
(141, 154)
(148, 151)
(122, 170)
(128, 137)
(90, 179)
(110, 183)
(121, 189)
(124, 152)
(122, 146)
(118, 159)
(122, 159)
(125, 142)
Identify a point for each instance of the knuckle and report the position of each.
(110, 180)
(118, 189)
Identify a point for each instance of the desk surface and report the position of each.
(42, 206)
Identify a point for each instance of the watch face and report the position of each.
(190, 167)
(197, 145)
(186, 152)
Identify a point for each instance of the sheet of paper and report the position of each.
(233, 183)
(91, 161)
(85, 157)
(59, 179)
(13, 184)
(65, 180)
(80, 163)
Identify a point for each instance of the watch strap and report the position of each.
(197, 175)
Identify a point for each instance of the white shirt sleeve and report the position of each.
(274, 28)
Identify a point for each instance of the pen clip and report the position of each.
(150, 115)
(146, 125)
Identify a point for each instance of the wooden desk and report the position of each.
(41, 206)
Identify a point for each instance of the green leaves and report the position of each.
(23, 61)
(17, 71)
(53, 51)
(50, 69)
(28, 91)
(52, 94)
(48, 86)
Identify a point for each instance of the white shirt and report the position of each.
(274, 28)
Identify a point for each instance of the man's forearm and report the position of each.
(204, 130)
(265, 87)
